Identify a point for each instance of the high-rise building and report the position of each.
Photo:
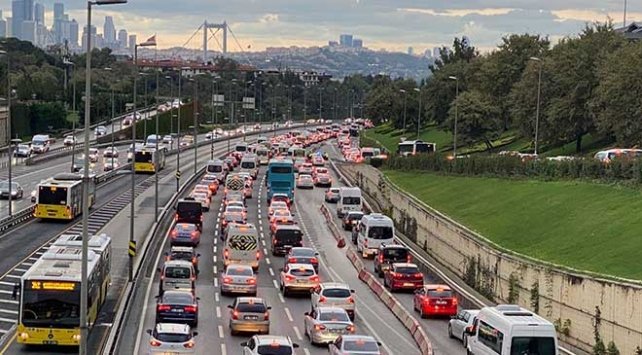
(59, 10)
(73, 33)
(39, 13)
(357, 43)
(28, 31)
(122, 39)
(18, 15)
(92, 37)
(132, 42)
(345, 40)
(3, 26)
(109, 32)
(9, 27)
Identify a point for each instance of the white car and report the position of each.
(69, 140)
(100, 131)
(269, 344)
(333, 294)
(459, 323)
(325, 324)
(355, 344)
(305, 181)
(110, 152)
(298, 277)
(171, 338)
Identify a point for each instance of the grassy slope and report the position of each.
(580, 225)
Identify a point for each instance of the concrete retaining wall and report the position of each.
(565, 296)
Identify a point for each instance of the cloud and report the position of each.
(458, 12)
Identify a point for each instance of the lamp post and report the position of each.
(84, 330)
(112, 121)
(539, 89)
(171, 110)
(132, 196)
(334, 105)
(418, 90)
(71, 64)
(214, 111)
(320, 102)
(144, 75)
(404, 109)
(305, 103)
(195, 115)
(156, 101)
(456, 79)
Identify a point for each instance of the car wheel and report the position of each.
(450, 331)
(464, 340)
(421, 313)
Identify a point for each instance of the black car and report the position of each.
(189, 210)
(177, 307)
(15, 191)
(286, 237)
(389, 254)
(301, 255)
(351, 219)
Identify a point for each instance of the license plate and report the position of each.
(300, 281)
(176, 310)
(408, 284)
(251, 317)
(287, 246)
(441, 302)
(50, 342)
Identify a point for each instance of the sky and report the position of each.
(393, 25)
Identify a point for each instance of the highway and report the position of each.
(287, 314)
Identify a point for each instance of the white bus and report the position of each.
(374, 230)
(349, 200)
(406, 148)
(509, 329)
(242, 246)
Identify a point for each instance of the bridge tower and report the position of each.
(219, 26)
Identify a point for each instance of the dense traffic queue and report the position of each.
(291, 166)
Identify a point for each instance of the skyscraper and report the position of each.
(73, 33)
(92, 35)
(122, 39)
(3, 26)
(109, 32)
(22, 10)
(357, 43)
(28, 31)
(132, 43)
(39, 13)
(345, 40)
(59, 10)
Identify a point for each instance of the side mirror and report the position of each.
(148, 331)
(470, 330)
(269, 307)
(244, 344)
(352, 291)
(306, 313)
(158, 269)
(230, 306)
(295, 345)
(194, 334)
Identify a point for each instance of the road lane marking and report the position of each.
(306, 351)
(215, 282)
(216, 226)
(221, 334)
(297, 332)
(265, 251)
(215, 248)
(288, 314)
(267, 260)
(216, 297)
(281, 297)
(263, 242)
(271, 272)
(223, 349)
(214, 259)
(218, 312)
(215, 269)
(215, 237)
(276, 285)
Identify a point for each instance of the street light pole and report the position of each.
(404, 109)
(178, 119)
(195, 114)
(335, 104)
(132, 197)
(213, 129)
(84, 330)
(456, 114)
(539, 90)
(320, 102)
(9, 139)
(419, 115)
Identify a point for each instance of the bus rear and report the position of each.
(51, 202)
(144, 162)
(280, 178)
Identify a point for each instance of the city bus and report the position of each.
(296, 152)
(149, 160)
(406, 148)
(280, 178)
(60, 197)
(49, 297)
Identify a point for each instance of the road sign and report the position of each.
(219, 100)
(248, 102)
(178, 174)
(132, 248)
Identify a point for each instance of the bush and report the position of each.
(376, 162)
(629, 170)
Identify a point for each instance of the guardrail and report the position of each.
(421, 259)
(26, 214)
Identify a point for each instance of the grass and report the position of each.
(577, 224)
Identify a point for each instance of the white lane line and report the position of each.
(288, 314)
(215, 282)
(306, 351)
(267, 260)
(271, 272)
(223, 349)
(262, 235)
(218, 312)
(263, 242)
(216, 226)
(215, 269)
(281, 297)
(276, 285)
(19, 269)
(221, 334)
(216, 297)
(214, 258)
(215, 248)
(265, 251)
(297, 332)
(261, 228)
(215, 239)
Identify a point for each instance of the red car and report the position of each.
(435, 300)
(403, 276)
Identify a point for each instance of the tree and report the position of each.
(478, 118)
(461, 51)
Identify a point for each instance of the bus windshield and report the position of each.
(52, 195)
(143, 157)
(351, 200)
(43, 307)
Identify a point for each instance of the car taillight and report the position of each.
(266, 316)
(419, 275)
(350, 299)
(194, 260)
(380, 257)
(319, 327)
(227, 280)
(235, 315)
(226, 253)
(314, 278)
(251, 281)
(194, 234)
(292, 260)
(289, 277)
(454, 301)
(154, 342)
(163, 307)
(190, 309)
(258, 255)
(189, 344)
(322, 299)
(314, 260)
(350, 328)
(174, 234)
(408, 258)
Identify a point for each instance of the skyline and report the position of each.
(390, 25)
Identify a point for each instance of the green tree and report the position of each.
(478, 118)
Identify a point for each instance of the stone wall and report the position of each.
(568, 298)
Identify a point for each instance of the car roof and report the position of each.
(330, 309)
(182, 249)
(393, 246)
(334, 285)
(172, 328)
(288, 226)
(271, 339)
(239, 266)
(178, 292)
(353, 337)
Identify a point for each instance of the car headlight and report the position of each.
(33, 193)
(14, 193)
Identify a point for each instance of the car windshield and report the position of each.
(435, 293)
(182, 255)
(248, 307)
(303, 252)
(332, 316)
(302, 272)
(274, 349)
(178, 272)
(395, 253)
(351, 200)
(183, 227)
(355, 216)
(5, 186)
(360, 345)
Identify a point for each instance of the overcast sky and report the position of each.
(389, 24)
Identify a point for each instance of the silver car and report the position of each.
(16, 190)
(238, 279)
(333, 294)
(355, 344)
(298, 277)
(304, 181)
(249, 314)
(325, 324)
(459, 323)
(171, 338)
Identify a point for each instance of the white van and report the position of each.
(509, 329)
(40, 143)
(263, 154)
(349, 200)
(249, 164)
(177, 275)
(241, 147)
(374, 230)
(242, 246)
(216, 167)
